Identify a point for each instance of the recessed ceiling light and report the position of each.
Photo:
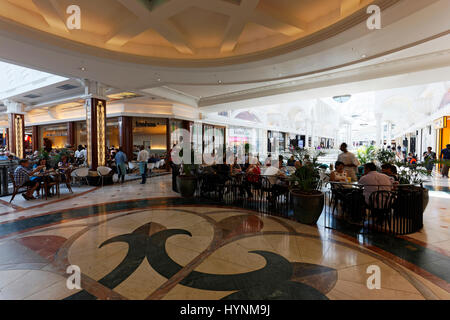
(219, 82)
(83, 69)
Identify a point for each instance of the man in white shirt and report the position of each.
(142, 158)
(374, 181)
(273, 173)
(81, 155)
(350, 162)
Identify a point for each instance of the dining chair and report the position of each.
(16, 188)
(102, 172)
(80, 174)
(52, 185)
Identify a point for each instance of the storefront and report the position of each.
(112, 133)
(276, 142)
(442, 126)
(150, 133)
(56, 133)
(213, 138)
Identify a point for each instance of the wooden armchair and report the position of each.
(16, 188)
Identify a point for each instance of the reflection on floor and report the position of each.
(135, 241)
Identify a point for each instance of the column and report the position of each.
(348, 136)
(379, 136)
(95, 123)
(16, 120)
(307, 134)
(35, 138)
(126, 135)
(389, 133)
(169, 136)
(71, 133)
(313, 135)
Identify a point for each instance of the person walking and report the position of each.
(430, 158)
(121, 160)
(350, 162)
(445, 156)
(142, 158)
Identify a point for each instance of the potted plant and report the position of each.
(187, 180)
(385, 156)
(414, 174)
(305, 188)
(366, 154)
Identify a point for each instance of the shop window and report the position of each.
(150, 133)
(57, 134)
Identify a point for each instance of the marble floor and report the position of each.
(135, 241)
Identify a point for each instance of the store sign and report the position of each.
(440, 123)
(239, 132)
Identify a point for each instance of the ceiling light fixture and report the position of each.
(83, 69)
(342, 99)
(219, 82)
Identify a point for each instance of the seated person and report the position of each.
(64, 163)
(291, 161)
(22, 178)
(278, 186)
(391, 171)
(339, 174)
(272, 172)
(153, 159)
(281, 162)
(235, 167)
(374, 181)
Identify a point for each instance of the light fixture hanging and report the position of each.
(342, 99)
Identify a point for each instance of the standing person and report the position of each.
(445, 156)
(121, 160)
(399, 154)
(142, 158)
(429, 157)
(350, 162)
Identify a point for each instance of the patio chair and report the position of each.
(380, 205)
(80, 174)
(16, 188)
(103, 172)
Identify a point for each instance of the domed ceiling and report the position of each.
(164, 30)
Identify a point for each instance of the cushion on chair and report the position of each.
(103, 171)
(80, 172)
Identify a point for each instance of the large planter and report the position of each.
(426, 198)
(186, 186)
(308, 207)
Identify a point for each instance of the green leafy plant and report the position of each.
(306, 179)
(412, 173)
(366, 154)
(385, 156)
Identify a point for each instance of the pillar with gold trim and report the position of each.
(16, 121)
(95, 124)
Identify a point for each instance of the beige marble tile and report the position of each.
(358, 291)
(141, 283)
(32, 282)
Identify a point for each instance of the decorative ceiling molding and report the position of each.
(285, 31)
